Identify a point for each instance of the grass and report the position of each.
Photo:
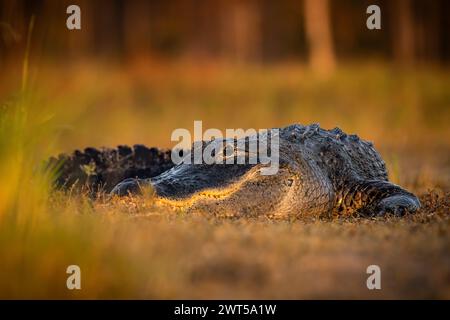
(129, 249)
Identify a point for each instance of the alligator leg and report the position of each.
(376, 197)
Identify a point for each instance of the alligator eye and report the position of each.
(229, 150)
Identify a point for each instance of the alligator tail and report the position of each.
(95, 170)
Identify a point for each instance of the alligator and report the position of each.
(321, 173)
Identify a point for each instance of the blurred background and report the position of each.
(139, 69)
(238, 31)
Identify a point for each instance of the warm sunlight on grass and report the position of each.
(128, 249)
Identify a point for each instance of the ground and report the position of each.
(127, 248)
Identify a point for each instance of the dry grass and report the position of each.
(128, 249)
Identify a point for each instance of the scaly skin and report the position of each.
(96, 170)
(322, 173)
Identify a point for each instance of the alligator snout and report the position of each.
(127, 187)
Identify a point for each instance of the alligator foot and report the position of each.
(398, 205)
(378, 198)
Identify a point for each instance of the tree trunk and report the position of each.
(138, 15)
(318, 31)
(403, 35)
(242, 31)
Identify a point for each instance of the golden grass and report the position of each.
(128, 249)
